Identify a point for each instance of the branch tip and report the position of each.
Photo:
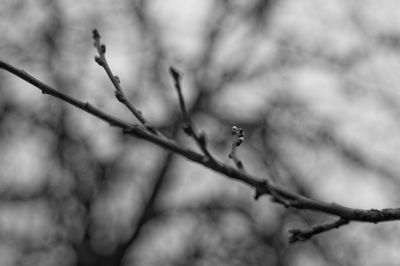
(234, 130)
(96, 34)
(237, 140)
(119, 94)
(174, 73)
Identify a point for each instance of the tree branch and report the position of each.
(262, 187)
(188, 126)
(303, 235)
(119, 93)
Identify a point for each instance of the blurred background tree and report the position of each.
(312, 82)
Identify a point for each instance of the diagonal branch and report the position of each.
(262, 187)
(119, 93)
(147, 210)
(189, 126)
(303, 235)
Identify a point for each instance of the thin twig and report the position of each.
(261, 186)
(303, 235)
(189, 126)
(119, 93)
(237, 140)
(147, 210)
